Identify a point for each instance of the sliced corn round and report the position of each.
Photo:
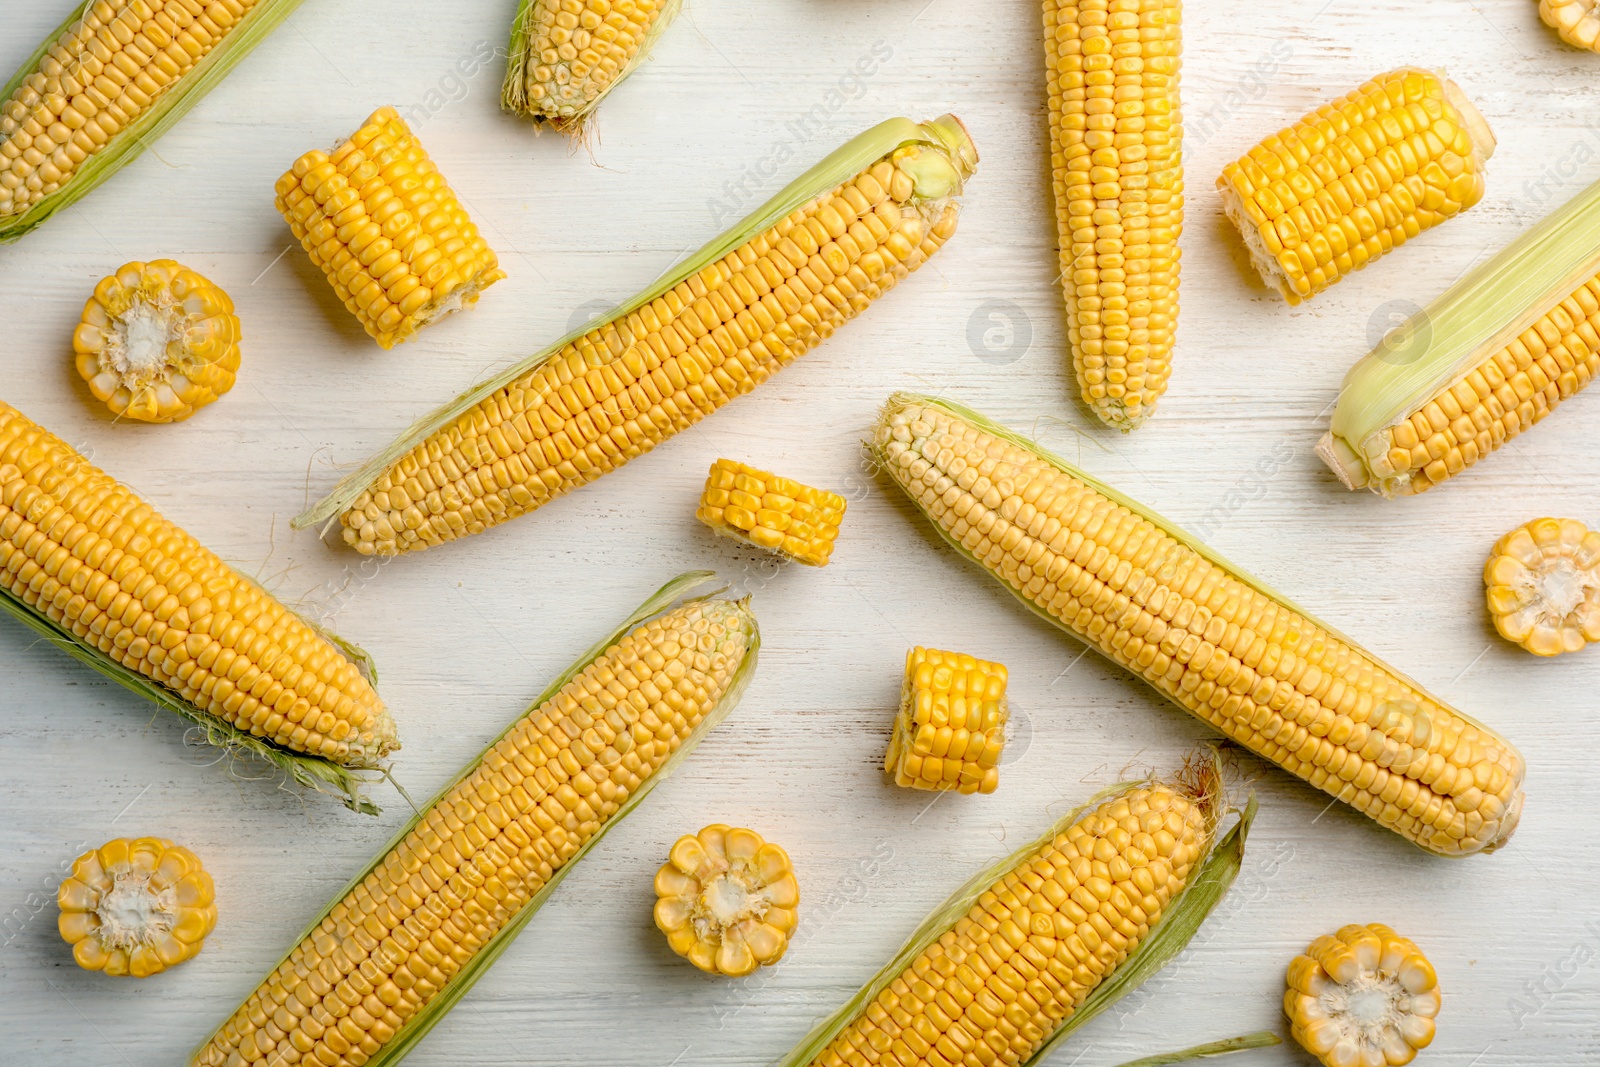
(136, 906)
(727, 900)
(782, 516)
(1577, 21)
(1364, 997)
(1543, 586)
(951, 727)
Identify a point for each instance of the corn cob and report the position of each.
(1356, 178)
(951, 728)
(713, 328)
(136, 907)
(1543, 586)
(566, 55)
(1222, 646)
(110, 80)
(727, 900)
(779, 515)
(1492, 355)
(1365, 997)
(157, 342)
(381, 965)
(1116, 151)
(379, 219)
(1577, 21)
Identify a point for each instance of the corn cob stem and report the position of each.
(1244, 1043)
(1219, 644)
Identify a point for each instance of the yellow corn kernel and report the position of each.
(136, 906)
(779, 515)
(1543, 586)
(1577, 21)
(1364, 997)
(727, 900)
(951, 728)
(570, 53)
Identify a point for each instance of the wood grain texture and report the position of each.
(467, 633)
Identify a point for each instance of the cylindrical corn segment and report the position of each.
(1577, 21)
(157, 342)
(1356, 178)
(777, 514)
(380, 220)
(1542, 583)
(1364, 997)
(727, 900)
(951, 728)
(1116, 152)
(1000, 981)
(82, 549)
(629, 384)
(577, 50)
(136, 906)
(1222, 647)
(481, 851)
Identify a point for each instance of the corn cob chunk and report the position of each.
(951, 728)
(380, 220)
(157, 342)
(779, 515)
(1356, 178)
(136, 906)
(620, 389)
(1543, 586)
(727, 900)
(83, 550)
(1116, 150)
(570, 53)
(1577, 21)
(1222, 647)
(487, 845)
(1364, 997)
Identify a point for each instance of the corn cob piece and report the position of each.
(136, 906)
(1219, 644)
(726, 898)
(1577, 21)
(712, 329)
(381, 965)
(1364, 997)
(951, 728)
(777, 514)
(110, 80)
(380, 220)
(157, 342)
(566, 55)
(1543, 586)
(1356, 178)
(1490, 357)
(1116, 151)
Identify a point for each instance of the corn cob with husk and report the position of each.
(711, 329)
(1494, 354)
(1219, 644)
(566, 55)
(112, 78)
(104, 577)
(1116, 150)
(1040, 942)
(410, 935)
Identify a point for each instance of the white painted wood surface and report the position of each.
(466, 634)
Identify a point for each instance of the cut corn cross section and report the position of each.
(136, 907)
(727, 900)
(1577, 21)
(951, 728)
(777, 514)
(567, 54)
(1543, 586)
(1364, 997)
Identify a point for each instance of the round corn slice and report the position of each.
(1543, 583)
(727, 900)
(157, 342)
(1364, 997)
(1577, 21)
(136, 906)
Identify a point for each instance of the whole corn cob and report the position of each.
(713, 328)
(777, 514)
(951, 727)
(1222, 646)
(1356, 178)
(111, 79)
(566, 55)
(379, 968)
(1542, 583)
(1577, 21)
(1116, 150)
(136, 907)
(1364, 997)
(1492, 356)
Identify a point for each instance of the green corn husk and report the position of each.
(1206, 887)
(416, 1028)
(156, 120)
(514, 94)
(945, 133)
(1259, 1039)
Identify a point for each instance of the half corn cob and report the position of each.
(1216, 642)
(1543, 586)
(951, 727)
(383, 964)
(713, 328)
(136, 906)
(1577, 21)
(1494, 354)
(1356, 178)
(1116, 150)
(777, 514)
(1037, 944)
(103, 576)
(566, 55)
(1364, 997)
(110, 80)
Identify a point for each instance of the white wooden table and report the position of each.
(466, 634)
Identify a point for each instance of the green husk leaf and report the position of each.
(418, 1026)
(850, 159)
(514, 94)
(1259, 1039)
(156, 120)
